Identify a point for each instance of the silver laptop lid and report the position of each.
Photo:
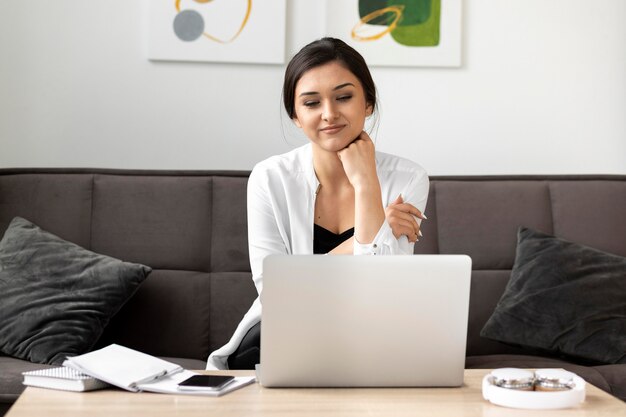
(364, 321)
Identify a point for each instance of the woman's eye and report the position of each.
(311, 103)
(344, 98)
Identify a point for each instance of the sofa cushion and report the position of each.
(59, 203)
(480, 219)
(564, 298)
(161, 221)
(602, 209)
(229, 226)
(179, 302)
(56, 297)
(225, 314)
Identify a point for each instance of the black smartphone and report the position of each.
(205, 382)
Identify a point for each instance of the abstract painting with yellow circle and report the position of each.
(408, 22)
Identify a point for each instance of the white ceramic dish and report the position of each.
(537, 400)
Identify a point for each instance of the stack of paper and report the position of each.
(123, 367)
(135, 371)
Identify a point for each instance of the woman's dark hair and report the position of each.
(321, 52)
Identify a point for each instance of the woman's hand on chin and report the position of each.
(359, 162)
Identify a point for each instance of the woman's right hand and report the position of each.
(359, 162)
(401, 217)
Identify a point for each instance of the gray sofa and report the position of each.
(190, 227)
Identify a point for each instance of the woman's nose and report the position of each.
(329, 112)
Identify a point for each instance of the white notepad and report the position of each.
(62, 378)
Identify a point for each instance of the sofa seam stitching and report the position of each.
(93, 188)
(436, 216)
(210, 266)
(551, 199)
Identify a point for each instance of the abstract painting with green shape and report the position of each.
(418, 24)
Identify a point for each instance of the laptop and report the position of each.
(364, 321)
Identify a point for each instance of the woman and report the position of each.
(328, 196)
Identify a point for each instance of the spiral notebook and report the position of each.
(62, 378)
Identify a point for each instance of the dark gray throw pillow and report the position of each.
(564, 298)
(56, 297)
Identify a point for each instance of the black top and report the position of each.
(324, 240)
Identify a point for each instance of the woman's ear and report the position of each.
(297, 122)
(369, 109)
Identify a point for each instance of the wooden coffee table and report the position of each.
(255, 400)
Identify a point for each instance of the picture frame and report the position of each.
(239, 31)
(399, 32)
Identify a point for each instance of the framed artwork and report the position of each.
(243, 31)
(399, 32)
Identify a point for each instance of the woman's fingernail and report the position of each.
(424, 216)
(420, 233)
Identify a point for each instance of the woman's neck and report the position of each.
(329, 170)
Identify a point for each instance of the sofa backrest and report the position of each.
(479, 216)
(190, 227)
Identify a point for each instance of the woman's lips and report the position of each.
(330, 130)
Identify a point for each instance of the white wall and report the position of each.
(542, 89)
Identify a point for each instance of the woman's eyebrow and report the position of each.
(339, 87)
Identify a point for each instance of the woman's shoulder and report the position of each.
(288, 163)
(386, 162)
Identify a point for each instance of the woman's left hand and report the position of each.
(359, 162)
(402, 218)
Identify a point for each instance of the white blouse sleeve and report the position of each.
(385, 243)
(265, 236)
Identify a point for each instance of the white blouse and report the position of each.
(281, 202)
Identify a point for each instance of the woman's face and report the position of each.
(330, 106)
